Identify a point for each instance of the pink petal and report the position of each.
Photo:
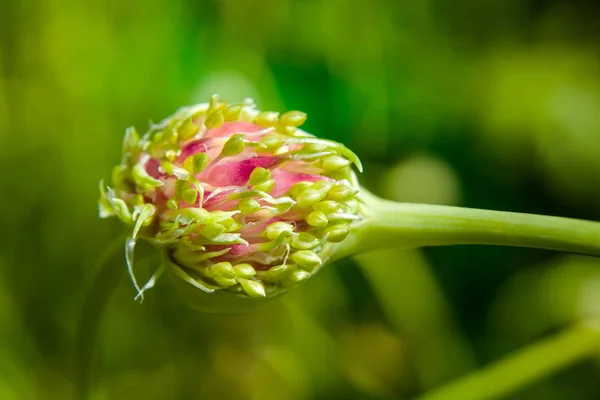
(285, 180)
(236, 173)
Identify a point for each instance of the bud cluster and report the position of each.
(238, 199)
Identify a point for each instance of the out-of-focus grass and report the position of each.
(489, 105)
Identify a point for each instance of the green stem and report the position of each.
(405, 225)
(520, 369)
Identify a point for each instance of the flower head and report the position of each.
(239, 200)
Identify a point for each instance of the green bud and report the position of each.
(213, 102)
(334, 162)
(196, 163)
(266, 118)
(213, 230)
(225, 282)
(131, 139)
(304, 241)
(293, 118)
(272, 142)
(296, 277)
(287, 130)
(252, 288)
(310, 196)
(341, 192)
(190, 196)
(298, 188)
(233, 146)
(223, 269)
(327, 206)
(214, 120)
(188, 129)
(323, 185)
(248, 206)
(336, 233)
(280, 272)
(232, 113)
(259, 175)
(274, 230)
(317, 218)
(266, 186)
(306, 258)
(244, 270)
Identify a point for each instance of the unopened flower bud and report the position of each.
(242, 202)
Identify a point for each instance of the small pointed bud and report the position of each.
(328, 206)
(306, 258)
(244, 270)
(304, 241)
(266, 118)
(232, 113)
(259, 175)
(266, 186)
(310, 196)
(248, 206)
(280, 272)
(189, 196)
(299, 188)
(196, 163)
(341, 193)
(293, 118)
(131, 139)
(296, 277)
(214, 120)
(336, 233)
(274, 230)
(223, 269)
(225, 282)
(252, 288)
(333, 163)
(272, 141)
(317, 218)
(213, 230)
(233, 146)
(188, 129)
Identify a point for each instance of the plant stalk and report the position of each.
(516, 371)
(407, 225)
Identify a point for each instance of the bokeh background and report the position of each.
(484, 104)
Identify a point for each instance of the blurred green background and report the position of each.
(483, 104)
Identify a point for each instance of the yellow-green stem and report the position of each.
(525, 366)
(405, 225)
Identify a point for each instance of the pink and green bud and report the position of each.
(239, 200)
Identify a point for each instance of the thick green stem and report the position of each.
(391, 224)
(520, 369)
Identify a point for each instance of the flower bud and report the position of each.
(243, 203)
